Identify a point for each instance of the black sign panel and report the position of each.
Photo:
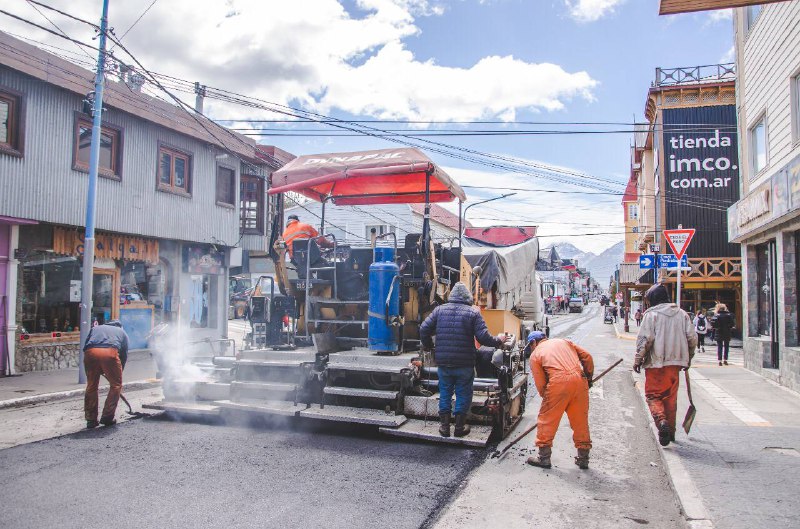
(701, 168)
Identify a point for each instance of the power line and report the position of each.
(137, 20)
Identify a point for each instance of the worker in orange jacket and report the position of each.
(298, 231)
(562, 372)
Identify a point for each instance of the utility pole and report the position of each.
(91, 212)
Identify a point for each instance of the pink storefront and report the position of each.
(8, 236)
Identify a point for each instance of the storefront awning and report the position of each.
(630, 274)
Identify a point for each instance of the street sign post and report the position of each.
(679, 241)
(646, 262)
(667, 260)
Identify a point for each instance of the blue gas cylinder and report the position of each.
(384, 284)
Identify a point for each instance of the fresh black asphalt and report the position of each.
(164, 474)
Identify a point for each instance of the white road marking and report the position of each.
(729, 402)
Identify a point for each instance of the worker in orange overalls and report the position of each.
(297, 231)
(562, 372)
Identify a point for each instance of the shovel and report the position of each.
(692, 411)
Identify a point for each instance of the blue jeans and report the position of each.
(458, 379)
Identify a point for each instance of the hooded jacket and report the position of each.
(666, 337)
(456, 325)
(724, 324)
(110, 334)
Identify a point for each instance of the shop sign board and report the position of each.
(107, 245)
(203, 259)
(701, 173)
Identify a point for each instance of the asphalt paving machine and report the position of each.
(338, 339)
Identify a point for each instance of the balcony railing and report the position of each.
(710, 73)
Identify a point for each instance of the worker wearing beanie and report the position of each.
(562, 372)
(665, 345)
(299, 231)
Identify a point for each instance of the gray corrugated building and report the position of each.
(176, 193)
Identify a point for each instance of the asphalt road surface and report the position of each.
(160, 473)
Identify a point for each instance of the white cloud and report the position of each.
(720, 15)
(729, 56)
(591, 10)
(316, 54)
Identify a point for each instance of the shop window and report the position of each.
(174, 171)
(751, 15)
(795, 91)
(110, 161)
(796, 287)
(758, 145)
(380, 229)
(226, 186)
(50, 293)
(203, 302)
(765, 283)
(251, 204)
(11, 122)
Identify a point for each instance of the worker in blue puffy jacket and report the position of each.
(456, 325)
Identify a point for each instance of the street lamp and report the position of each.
(463, 219)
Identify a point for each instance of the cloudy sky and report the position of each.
(523, 65)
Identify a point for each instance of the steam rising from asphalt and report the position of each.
(175, 350)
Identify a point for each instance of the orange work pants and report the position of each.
(102, 361)
(565, 393)
(661, 391)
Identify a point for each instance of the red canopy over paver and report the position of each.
(384, 176)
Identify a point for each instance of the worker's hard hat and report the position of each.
(292, 217)
(536, 335)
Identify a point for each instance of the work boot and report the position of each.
(720, 364)
(444, 424)
(664, 433)
(92, 424)
(725, 362)
(583, 459)
(543, 459)
(462, 428)
(108, 421)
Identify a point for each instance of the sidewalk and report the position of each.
(40, 386)
(740, 465)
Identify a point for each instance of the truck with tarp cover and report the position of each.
(335, 336)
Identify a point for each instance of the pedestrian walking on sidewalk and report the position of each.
(638, 317)
(701, 328)
(562, 372)
(665, 346)
(105, 353)
(723, 322)
(456, 325)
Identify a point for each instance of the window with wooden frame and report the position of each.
(174, 171)
(226, 186)
(110, 161)
(251, 204)
(11, 122)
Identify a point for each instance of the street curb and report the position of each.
(621, 336)
(689, 498)
(73, 393)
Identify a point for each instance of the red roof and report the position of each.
(439, 214)
(502, 235)
(631, 194)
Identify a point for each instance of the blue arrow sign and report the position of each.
(667, 260)
(646, 262)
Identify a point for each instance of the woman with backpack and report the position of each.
(723, 323)
(701, 328)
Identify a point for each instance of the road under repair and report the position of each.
(163, 473)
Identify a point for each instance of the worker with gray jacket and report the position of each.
(105, 353)
(665, 346)
(456, 325)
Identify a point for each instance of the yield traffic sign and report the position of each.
(647, 262)
(679, 240)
